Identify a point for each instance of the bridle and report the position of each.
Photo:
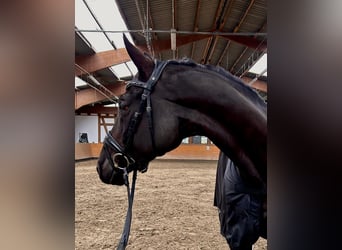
(145, 104)
(122, 152)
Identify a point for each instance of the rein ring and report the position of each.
(115, 157)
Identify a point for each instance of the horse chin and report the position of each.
(118, 180)
(142, 166)
(107, 175)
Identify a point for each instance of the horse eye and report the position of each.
(128, 86)
(124, 107)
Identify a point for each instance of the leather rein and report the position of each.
(122, 152)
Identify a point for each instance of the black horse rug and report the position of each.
(241, 212)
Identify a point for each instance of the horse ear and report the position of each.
(144, 64)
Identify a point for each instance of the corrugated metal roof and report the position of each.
(207, 13)
(210, 15)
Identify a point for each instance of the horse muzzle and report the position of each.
(110, 175)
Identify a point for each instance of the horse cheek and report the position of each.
(167, 135)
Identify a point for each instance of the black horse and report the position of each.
(191, 99)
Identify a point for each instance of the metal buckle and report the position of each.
(117, 160)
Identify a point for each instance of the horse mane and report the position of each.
(235, 81)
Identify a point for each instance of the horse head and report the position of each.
(140, 133)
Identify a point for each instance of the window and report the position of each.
(185, 140)
(196, 139)
(204, 140)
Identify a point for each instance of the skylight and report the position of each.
(133, 68)
(109, 17)
(111, 105)
(260, 67)
(83, 18)
(79, 82)
(121, 70)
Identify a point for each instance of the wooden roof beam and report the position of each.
(97, 109)
(155, 37)
(250, 42)
(214, 27)
(238, 59)
(244, 16)
(109, 58)
(220, 28)
(100, 60)
(165, 44)
(195, 26)
(223, 53)
(89, 96)
(259, 85)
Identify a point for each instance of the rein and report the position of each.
(130, 163)
(130, 195)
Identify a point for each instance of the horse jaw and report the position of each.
(144, 63)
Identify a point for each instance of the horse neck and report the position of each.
(213, 105)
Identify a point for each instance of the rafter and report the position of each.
(251, 60)
(100, 60)
(220, 28)
(238, 59)
(244, 16)
(208, 46)
(89, 96)
(165, 44)
(250, 42)
(109, 58)
(195, 26)
(223, 53)
(155, 37)
(97, 109)
(257, 84)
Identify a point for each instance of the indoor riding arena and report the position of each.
(173, 208)
(174, 200)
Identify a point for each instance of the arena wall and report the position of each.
(183, 152)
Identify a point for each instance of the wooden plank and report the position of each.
(97, 109)
(165, 44)
(87, 150)
(193, 152)
(88, 96)
(250, 42)
(183, 152)
(100, 60)
(98, 129)
(260, 85)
